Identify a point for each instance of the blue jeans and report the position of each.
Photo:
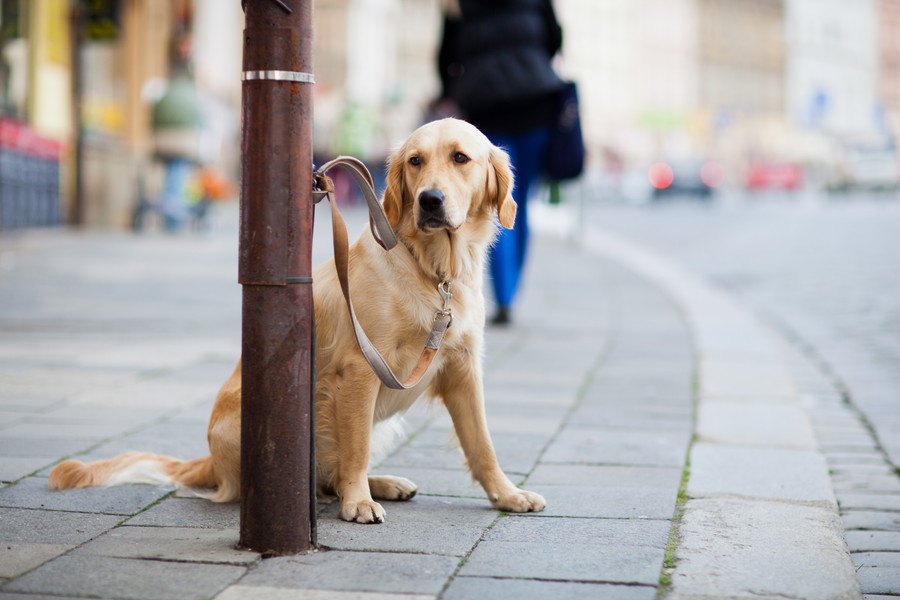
(507, 255)
(174, 198)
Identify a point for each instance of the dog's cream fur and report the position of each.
(396, 310)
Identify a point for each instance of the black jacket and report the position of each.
(494, 62)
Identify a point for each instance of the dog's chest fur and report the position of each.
(468, 317)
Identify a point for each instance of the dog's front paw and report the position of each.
(363, 511)
(520, 501)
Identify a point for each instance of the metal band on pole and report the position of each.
(275, 75)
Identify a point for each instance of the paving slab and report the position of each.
(6, 596)
(880, 580)
(589, 550)
(606, 475)
(415, 454)
(874, 469)
(603, 391)
(13, 468)
(756, 380)
(765, 425)
(190, 512)
(517, 453)
(8, 418)
(616, 502)
(873, 541)
(531, 394)
(105, 577)
(657, 448)
(736, 548)
(246, 592)
(525, 408)
(394, 572)
(865, 482)
(860, 447)
(179, 439)
(40, 429)
(485, 588)
(436, 482)
(870, 519)
(33, 492)
(126, 416)
(25, 447)
(185, 544)
(875, 559)
(17, 558)
(759, 473)
(857, 501)
(632, 417)
(51, 526)
(431, 525)
(854, 459)
(540, 421)
(561, 530)
(566, 561)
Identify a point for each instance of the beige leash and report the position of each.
(386, 238)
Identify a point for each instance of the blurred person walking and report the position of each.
(494, 63)
(176, 121)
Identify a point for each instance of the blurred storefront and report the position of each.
(83, 74)
(34, 68)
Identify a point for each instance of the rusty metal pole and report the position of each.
(277, 449)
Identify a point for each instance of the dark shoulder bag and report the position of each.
(565, 151)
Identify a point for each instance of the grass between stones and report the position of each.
(669, 560)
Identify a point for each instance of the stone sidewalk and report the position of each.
(111, 343)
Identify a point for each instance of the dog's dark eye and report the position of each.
(415, 161)
(460, 158)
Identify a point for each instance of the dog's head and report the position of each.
(447, 176)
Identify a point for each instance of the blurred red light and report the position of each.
(661, 175)
(712, 174)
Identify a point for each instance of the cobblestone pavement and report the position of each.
(824, 274)
(683, 445)
(112, 343)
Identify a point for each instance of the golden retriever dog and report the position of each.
(447, 186)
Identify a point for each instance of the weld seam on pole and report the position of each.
(274, 75)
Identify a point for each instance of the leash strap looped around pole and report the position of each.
(385, 236)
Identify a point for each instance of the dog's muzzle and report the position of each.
(431, 210)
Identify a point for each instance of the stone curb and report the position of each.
(761, 517)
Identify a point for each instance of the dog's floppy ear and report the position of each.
(393, 192)
(500, 187)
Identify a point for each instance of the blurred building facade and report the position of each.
(376, 72)
(889, 60)
(833, 65)
(635, 63)
(84, 73)
(733, 80)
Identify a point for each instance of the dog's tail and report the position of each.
(198, 474)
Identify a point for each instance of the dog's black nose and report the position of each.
(431, 200)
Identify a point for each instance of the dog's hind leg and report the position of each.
(389, 487)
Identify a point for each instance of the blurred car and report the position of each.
(867, 167)
(770, 175)
(685, 178)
